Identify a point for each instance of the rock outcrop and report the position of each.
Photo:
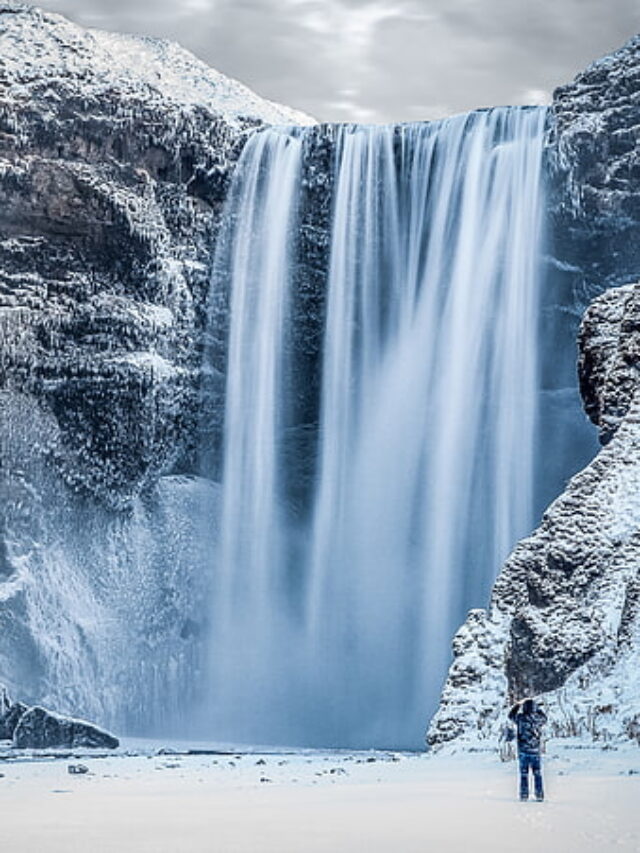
(42, 729)
(37, 728)
(5, 707)
(595, 154)
(11, 719)
(564, 620)
(609, 358)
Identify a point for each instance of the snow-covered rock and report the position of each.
(10, 720)
(5, 707)
(564, 620)
(42, 729)
(38, 728)
(595, 153)
(609, 357)
(115, 155)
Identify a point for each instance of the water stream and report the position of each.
(335, 601)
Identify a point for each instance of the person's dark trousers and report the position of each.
(530, 761)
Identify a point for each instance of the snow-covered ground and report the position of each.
(140, 801)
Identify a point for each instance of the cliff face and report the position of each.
(564, 619)
(594, 153)
(564, 615)
(115, 155)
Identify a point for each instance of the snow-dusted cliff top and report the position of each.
(115, 157)
(38, 46)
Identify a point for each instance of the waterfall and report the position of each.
(334, 611)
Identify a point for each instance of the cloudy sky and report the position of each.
(381, 60)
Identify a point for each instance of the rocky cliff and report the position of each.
(593, 151)
(564, 620)
(115, 154)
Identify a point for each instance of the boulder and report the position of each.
(42, 729)
(5, 704)
(5, 701)
(11, 719)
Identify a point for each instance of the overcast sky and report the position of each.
(381, 60)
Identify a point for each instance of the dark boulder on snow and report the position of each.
(42, 729)
(12, 717)
(5, 701)
(38, 728)
(5, 706)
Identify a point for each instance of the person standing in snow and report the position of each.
(529, 718)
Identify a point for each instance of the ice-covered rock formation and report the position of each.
(564, 620)
(115, 154)
(39, 728)
(594, 150)
(114, 157)
(42, 729)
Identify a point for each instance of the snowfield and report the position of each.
(141, 801)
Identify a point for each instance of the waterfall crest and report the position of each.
(333, 614)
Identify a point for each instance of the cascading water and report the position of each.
(333, 614)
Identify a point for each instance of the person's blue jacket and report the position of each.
(529, 719)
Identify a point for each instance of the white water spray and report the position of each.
(333, 626)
